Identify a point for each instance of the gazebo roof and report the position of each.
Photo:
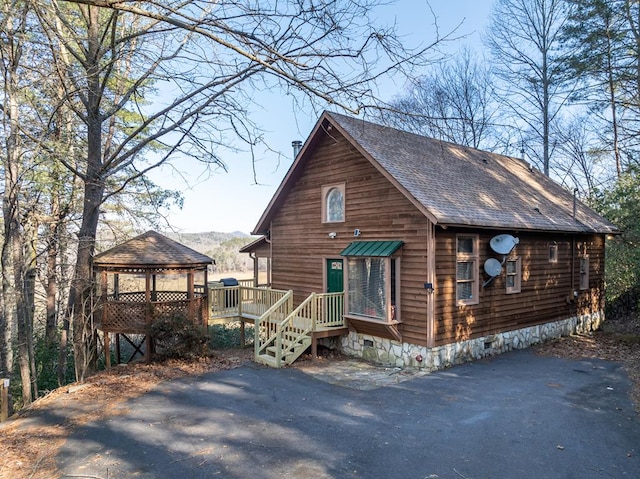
(151, 250)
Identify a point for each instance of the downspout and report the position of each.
(430, 285)
(573, 269)
(572, 294)
(267, 238)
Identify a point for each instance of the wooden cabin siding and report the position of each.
(262, 251)
(301, 243)
(594, 298)
(547, 289)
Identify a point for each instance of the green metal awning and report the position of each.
(371, 248)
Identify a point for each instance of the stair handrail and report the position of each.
(287, 324)
(287, 300)
(308, 313)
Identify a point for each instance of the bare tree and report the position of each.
(206, 59)
(524, 38)
(582, 157)
(455, 102)
(15, 264)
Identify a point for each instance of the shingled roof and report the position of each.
(151, 250)
(455, 185)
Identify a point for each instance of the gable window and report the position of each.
(467, 269)
(513, 275)
(333, 203)
(553, 253)
(584, 272)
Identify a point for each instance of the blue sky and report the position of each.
(232, 201)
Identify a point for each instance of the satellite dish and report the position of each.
(492, 267)
(503, 244)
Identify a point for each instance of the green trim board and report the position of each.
(371, 248)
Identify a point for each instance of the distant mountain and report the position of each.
(222, 247)
(207, 241)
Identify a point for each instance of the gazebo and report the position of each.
(147, 278)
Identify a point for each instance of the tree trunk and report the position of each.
(51, 286)
(12, 254)
(79, 309)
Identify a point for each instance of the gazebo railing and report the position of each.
(139, 296)
(131, 314)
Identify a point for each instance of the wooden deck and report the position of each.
(282, 332)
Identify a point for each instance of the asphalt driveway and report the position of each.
(517, 415)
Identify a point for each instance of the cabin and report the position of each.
(437, 253)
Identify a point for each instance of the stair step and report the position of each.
(288, 342)
(273, 350)
(267, 360)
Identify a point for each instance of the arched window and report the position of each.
(333, 204)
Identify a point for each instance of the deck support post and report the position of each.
(314, 348)
(118, 348)
(107, 352)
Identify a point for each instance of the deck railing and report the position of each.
(281, 331)
(237, 301)
(130, 314)
(283, 340)
(328, 310)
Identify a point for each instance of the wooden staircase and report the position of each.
(283, 334)
(285, 351)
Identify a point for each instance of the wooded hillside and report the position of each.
(222, 247)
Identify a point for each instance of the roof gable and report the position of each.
(151, 249)
(455, 185)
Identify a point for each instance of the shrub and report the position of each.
(177, 337)
(224, 336)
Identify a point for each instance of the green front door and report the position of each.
(335, 276)
(335, 284)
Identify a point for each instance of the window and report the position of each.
(372, 287)
(553, 253)
(513, 275)
(333, 203)
(584, 272)
(467, 269)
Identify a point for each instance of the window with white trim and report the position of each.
(513, 276)
(333, 203)
(584, 272)
(372, 287)
(467, 269)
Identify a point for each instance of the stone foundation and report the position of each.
(393, 353)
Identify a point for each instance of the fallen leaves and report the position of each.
(619, 341)
(28, 448)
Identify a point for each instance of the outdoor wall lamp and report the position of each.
(333, 235)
